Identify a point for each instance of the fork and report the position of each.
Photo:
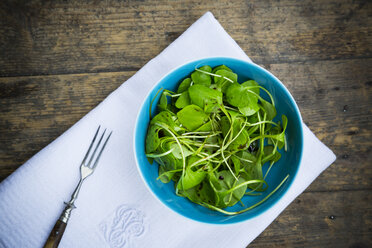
(87, 168)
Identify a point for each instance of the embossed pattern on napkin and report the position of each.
(123, 226)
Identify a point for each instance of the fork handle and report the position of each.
(56, 234)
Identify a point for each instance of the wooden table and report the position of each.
(59, 60)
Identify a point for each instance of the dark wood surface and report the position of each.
(59, 59)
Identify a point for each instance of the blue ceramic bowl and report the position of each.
(288, 164)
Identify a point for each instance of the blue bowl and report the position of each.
(288, 164)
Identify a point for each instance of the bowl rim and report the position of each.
(201, 61)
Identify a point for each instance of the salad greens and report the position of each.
(212, 137)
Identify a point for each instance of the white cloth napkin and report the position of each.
(114, 208)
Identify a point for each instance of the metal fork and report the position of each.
(87, 168)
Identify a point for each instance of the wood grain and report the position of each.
(56, 37)
(36, 110)
(322, 219)
(342, 118)
(59, 59)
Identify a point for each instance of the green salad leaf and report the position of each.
(213, 137)
(206, 98)
(199, 77)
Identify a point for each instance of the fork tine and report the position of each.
(95, 149)
(91, 144)
(99, 154)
